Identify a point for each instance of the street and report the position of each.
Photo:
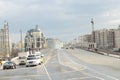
(61, 64)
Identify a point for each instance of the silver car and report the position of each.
(9, 65)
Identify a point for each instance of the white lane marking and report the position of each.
(59, 59)
(95, 71)
(47, 72)
(83, 66)
(79, 78)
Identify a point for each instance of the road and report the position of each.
(63, 64)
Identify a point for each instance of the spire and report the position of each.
(6, 24)
(37, 27)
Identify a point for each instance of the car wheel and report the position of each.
(13, 67)
(26, 65)
(39, 63)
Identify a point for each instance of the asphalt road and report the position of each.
(65, 65)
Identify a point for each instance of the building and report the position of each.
(54, 43)
(104, 38)
(5, 44)
(117, 37)
(34, 39)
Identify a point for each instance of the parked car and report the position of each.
(9, 65)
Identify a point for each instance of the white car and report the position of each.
(33, 61)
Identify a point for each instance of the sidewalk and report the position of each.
(108, 53)
(105, 52)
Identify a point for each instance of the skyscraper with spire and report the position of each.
(4, 41)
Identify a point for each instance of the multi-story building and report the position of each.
(34, 39)
(117, 37)
(54, 43)
(5, 44)
(86, 41)
(97, 38)
(87, 38)
(104, 39)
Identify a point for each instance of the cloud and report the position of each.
(59, 16)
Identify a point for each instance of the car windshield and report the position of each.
(31, 55)
(31, 58)
(7, 63)
(22, 57)
(37, 55)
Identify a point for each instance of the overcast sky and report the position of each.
(62, 19)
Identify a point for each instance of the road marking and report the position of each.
(83, 66)
(47, 72)
(79, 78)
(95, 71)
(59, 60)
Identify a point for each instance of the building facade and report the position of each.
(54, 43)
(34, 39)
(5, 44)
(117, 38)
(104, 39)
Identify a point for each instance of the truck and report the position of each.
(22, 57)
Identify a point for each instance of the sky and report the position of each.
(62, 19)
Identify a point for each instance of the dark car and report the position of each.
(9, 65)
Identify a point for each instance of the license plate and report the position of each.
(30, 62)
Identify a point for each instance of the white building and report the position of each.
(54, 43)
(117, 38)
(34, 39)
(5, 44)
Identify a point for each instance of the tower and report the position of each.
(92, 22)
(6, 39)
(93, 32)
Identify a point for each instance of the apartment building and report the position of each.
(117, 37)
(86, 41)
(104, 38)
